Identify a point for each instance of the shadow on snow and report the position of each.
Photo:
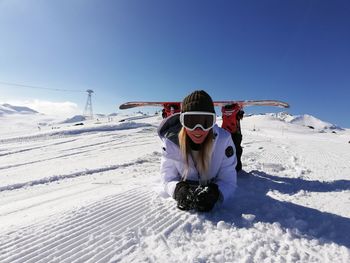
(251, 198)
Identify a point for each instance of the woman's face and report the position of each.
(198, 135)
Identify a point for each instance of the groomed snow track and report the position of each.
(92, 234)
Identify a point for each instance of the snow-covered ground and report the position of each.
(92, 193)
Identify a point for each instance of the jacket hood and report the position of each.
(170, 128)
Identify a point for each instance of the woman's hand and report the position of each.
(184, 195)
(201, 198)
(206, 197)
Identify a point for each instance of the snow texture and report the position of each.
(92, 193)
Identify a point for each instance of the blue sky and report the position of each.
(296, 51)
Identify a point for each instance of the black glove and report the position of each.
(206, 197)
(184, 195)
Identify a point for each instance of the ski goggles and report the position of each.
(192, 120)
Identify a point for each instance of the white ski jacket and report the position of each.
(222, 166)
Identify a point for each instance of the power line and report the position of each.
(37, 87)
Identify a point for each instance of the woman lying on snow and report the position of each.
(198, 160)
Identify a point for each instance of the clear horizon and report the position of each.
(294, 51)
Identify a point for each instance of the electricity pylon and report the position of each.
(88, 106)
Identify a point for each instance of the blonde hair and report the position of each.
(204, 156)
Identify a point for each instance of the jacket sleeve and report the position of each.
(169, 173)
(227, 175)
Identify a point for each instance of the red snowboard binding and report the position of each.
(170, 109)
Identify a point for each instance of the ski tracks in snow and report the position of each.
(42, 162)
(85, 172)
(108, 228)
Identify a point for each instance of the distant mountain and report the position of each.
(10, 109)
(99, 115)
(305, 120)
(313, 122)
(76, 118)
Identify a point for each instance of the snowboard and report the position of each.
(241, 103)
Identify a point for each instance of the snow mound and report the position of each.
(74, 131)
(10, 109)
(103, 128)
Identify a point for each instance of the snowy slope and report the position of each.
(92, 193)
